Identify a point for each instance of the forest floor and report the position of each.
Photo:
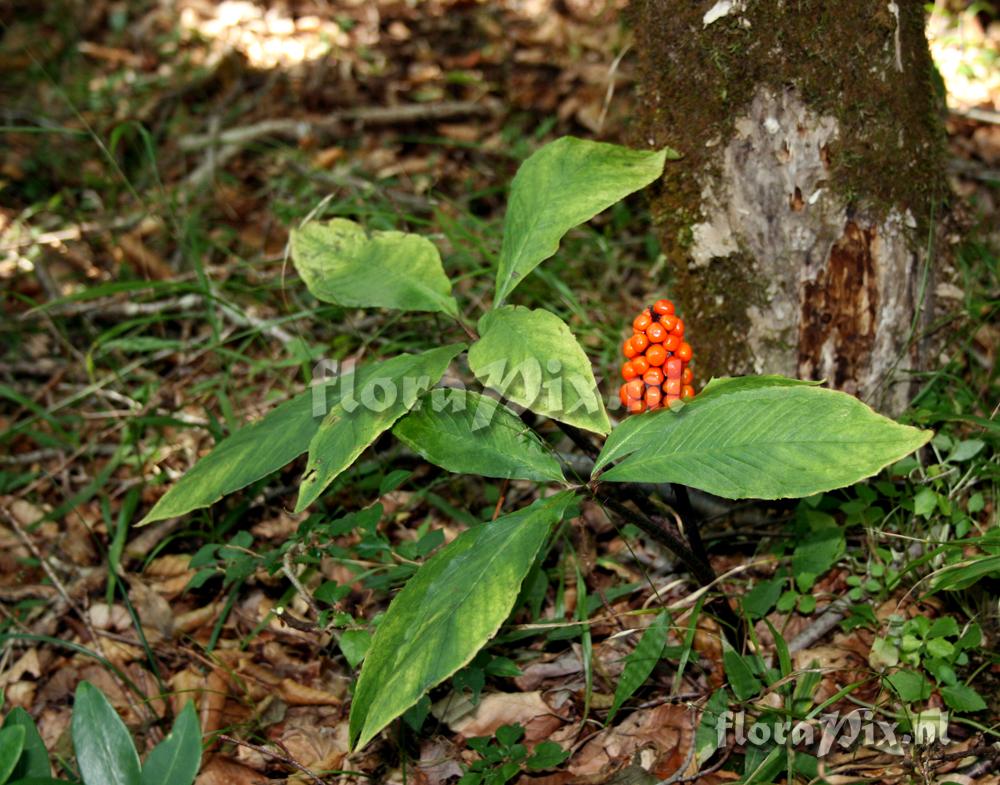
(153, 158)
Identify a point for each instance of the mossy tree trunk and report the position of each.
(797, 222)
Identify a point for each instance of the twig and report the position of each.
(272, 754)
(370, 115)
(825, 622)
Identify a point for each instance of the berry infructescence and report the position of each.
(656, 371)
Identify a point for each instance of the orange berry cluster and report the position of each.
(656, 370)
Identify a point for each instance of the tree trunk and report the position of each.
(796, 225)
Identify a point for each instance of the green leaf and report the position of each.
(962, 698)
(104, 751)
(943, 627)
(11, 746)
(453, 604)
(963, 575)
(939, 647)
(532, 358)
(560, 186)
(465, 432)
(251, 453)
(925, 502)
(741, 677)
(967, 449)
(344, 265)
(354, 645)
(640, 663)
(381, 393)
(546, 755)
(818, 549)
(767, 442)
(176, 759)
(884, 654)
(710, 729)
(34, 760)
(910, 686)
(761, 598)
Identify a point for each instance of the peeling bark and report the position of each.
(796, 222)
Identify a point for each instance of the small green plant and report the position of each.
(765, 437)
(503, 756)
(105, 754)
(936, 647)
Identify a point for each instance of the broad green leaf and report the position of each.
(532, 358)
(640, 663)
(711, 732)
(818, 548)
(447, 611)
(739, 673)
(246, 456)
(34, 760)
(176, 759)
(910, 686)
(634, 433)
(354, 645)
(342, 264)
(11, 746)
(560, 186)
(770, 442)
(465, 432)
(761, 598)
(377, 396)
(104, 751)
(962, 698)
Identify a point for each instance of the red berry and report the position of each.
(671, 342)
(652, 397)
(687, 391)
(635, 388)
(684, 351)
(674, 368)
(687, 377)
(672, 387)
(669, 321)
(669, 399)
(653, 377)
(642, 321)
(678, 328)
(663, 307)
(635, 405)
(656, 332)
(656, 355)
(640, 342)
(628, 371)
(623, 394)
(628, 349)
(641, 365)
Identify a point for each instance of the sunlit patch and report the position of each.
(267, 37)
(967, 57)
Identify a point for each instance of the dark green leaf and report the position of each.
(354, 645)
(251, 453)
(104, 750)
(382, 393)
(962, 698)
(739, 673)
(34, 760)
(176, 759)
(910, 686)
(640, 663)
(466, 432)
(11, 746)
(560, 186)
(454, 603)
(769, 442)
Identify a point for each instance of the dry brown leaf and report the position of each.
(494, 710)
(221, 771)
(154, 612)
(213, 702)
(667, 730)
(296, 694)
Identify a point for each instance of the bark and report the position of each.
(796, 225)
